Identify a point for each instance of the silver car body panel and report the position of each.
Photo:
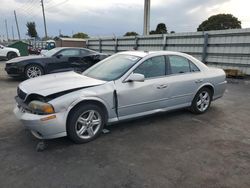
(134, 99)
(54, 83)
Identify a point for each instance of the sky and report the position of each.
(114, 17)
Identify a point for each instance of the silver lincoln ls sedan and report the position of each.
(124, 86)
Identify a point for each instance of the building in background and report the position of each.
(71, 42)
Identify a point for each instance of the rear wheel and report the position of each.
(85, 123)
(201, 101)
(33, 71)
(11, 55)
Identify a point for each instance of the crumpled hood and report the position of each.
(55, 83)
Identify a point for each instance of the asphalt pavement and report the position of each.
(174, 149)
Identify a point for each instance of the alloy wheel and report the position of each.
(88, 124)
(33, 71)
(203, 101)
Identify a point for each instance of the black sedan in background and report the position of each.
(52, 61)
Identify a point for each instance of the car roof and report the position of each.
(143, 54)
(80, 48)
(71, 48)
(146, 53)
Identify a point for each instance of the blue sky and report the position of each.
(115, 17)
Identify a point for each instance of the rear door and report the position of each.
(183, 81)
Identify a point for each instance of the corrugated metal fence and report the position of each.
(226, 48)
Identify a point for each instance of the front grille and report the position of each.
(21, 94)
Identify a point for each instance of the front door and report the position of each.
(64, 60)
(139, 98)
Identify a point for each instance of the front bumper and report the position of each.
(48, 129)
(13, 70)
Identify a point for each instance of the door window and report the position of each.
(193, 67)
(69, 52)
(153, 67)
(84, 52)
(180, 64)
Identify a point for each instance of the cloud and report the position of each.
(183, 15)
(108, 17)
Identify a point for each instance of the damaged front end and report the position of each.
(39, 115)
(38, 104)
(33, 103)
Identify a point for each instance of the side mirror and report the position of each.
(135, 77)
(96, 56)
(59, 56)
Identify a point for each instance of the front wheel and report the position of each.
(85, 123)
(33, 71)
(201, 101)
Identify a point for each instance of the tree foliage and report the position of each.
(61, 36)
(160, 29)
(64, 36)
(152, 32)
(132, 33)
(220, 22)
(31, 29)
(80, 35)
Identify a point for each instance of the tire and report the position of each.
(11, 55)
(80, 125)
(201, 101)
(32, 71)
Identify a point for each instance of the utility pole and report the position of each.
(12, 32)
(44, 20)
(146, 25)
(17, 27)
(6, 27)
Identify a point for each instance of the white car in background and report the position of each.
(8, 53)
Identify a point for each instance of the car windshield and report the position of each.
(112, 68)
(50, 53)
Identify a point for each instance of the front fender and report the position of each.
(110, 110)
(83, 99)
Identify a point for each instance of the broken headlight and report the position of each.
(41, 107)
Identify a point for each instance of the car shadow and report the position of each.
(7, 79)
(144, 120)
(156, 119)
(65, 142)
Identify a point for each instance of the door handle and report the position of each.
(162, 86)
(198, 81)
